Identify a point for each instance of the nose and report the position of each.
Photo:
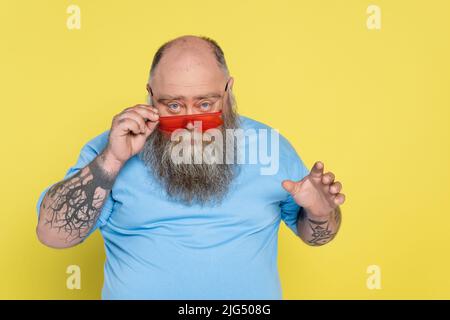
(190, 125)
(190, 111)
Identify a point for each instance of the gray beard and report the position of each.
(201, 183)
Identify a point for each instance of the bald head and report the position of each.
(189, 49)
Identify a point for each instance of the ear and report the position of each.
(149, 100)
(149, 95)
(149, 90)
(230, 83)
(228, 93)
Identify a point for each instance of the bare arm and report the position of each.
(318, 231)
(319, 197)
(70, 208)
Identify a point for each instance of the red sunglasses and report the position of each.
(208, 121)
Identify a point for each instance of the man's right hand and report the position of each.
(129, 131)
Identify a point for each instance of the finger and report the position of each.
(148, 113)
(132, 114)
(336, 187)
(147, 106)
(339, 199)
(129, 125)
(141, 105)
(290, 186)
(328, 178)
(151, 116)
(317, 170)
(150, 127)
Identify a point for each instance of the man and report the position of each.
(181, 230)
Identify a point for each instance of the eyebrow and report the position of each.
(166, 97)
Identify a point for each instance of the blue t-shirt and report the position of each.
(157, 248)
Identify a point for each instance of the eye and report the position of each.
(173, 106)
(205, 105)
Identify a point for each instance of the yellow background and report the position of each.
(373, 105)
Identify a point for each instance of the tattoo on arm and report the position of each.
(72, 206)
(321, 231)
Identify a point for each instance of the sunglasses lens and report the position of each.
(207, 121)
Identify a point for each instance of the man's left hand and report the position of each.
(318, 192)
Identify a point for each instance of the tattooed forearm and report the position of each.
(72, 206)
(319, 232)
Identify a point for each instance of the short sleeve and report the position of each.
(289, 208)
(88, 153)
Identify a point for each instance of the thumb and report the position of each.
(289, 186)
(150, 127)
